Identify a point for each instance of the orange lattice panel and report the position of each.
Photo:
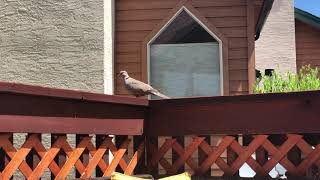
(17, 157)
(276, 154)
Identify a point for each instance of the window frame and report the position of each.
(201, 20)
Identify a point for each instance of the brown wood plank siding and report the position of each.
(209, 3)
(307, 45)
(257, 8)
(238, 64)
(135, 19)
(136, 25)
(251, 44)
(228, 11)
(140, 14)
(228, 21)
(145, 4)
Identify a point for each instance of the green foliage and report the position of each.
(306, 80)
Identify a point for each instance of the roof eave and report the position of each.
(264, 13)
(306, 17)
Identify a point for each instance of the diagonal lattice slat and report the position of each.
(96, 158)
(18, 156)
(11, 151)
(214, 155)
(276, 154)
(47, 158)
(185, 155)
(244, 154)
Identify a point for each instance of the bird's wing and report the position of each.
(157, 93)
(140, 88)
(138, 85)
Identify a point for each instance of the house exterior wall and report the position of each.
(56, 44)
(308, 45)
(53, 43)
(136, 19)
(276, 45)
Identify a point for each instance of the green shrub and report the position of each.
(305, 80)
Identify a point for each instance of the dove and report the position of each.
(138, 88)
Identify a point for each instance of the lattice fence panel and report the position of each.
(245, 154)
(17, 157)
(276, 154)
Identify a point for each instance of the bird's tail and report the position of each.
(157, 93)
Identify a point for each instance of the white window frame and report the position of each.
(183, 8)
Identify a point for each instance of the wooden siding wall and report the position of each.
(257, 8)
(307, 44)
(135, 19)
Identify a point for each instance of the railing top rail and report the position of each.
(296, 112)
(69, 94)
(234, 99)
(68, 125)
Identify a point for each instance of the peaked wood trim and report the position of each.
(158, 27)
(224, 41)
(204, 21)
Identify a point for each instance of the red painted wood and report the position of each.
(248, 114)
(68, 94)
(31, 105)
(33, 124)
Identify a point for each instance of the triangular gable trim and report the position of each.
(209, 27)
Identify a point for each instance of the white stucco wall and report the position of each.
(55, 44)
(61, 44)
(276, 45)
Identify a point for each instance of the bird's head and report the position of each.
(123, 74)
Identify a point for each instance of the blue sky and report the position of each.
(311, 6)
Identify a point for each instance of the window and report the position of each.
(185, 59)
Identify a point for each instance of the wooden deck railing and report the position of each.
(263, 153)
(299, 155)
(160, 137)
(61, 168)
